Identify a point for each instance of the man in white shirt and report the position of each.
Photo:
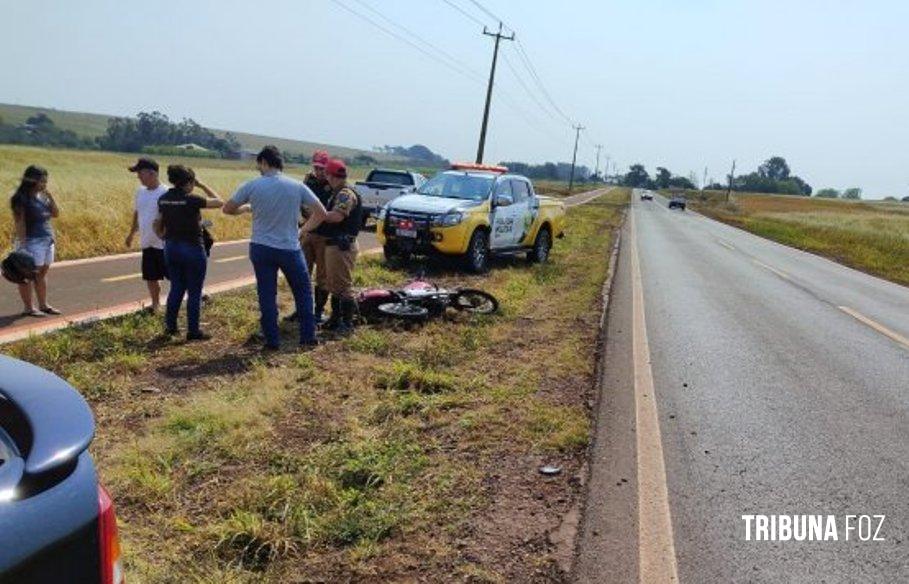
(146, 210)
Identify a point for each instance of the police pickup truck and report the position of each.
(471, 211)
(383, 185)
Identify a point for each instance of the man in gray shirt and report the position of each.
(275, 201)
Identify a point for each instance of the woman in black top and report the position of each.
(179, 223)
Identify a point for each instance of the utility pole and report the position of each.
(731, 177)
(606, 170)
(704, 184)
(596, 173)
(492, 75)
(574, 157)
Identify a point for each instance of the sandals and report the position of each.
(50, 310)
(33, 312)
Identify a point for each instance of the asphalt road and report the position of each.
(100, 287)
(778, 384)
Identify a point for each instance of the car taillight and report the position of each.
(111, 565)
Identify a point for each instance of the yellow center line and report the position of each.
(779, 273)
(656, 544)
(231, 259)
(893, 335)
(121, 278)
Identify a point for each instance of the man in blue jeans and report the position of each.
(275, 201)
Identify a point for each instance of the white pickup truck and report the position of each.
(382, 185)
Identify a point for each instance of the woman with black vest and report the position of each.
(340, 228)
(179, 224)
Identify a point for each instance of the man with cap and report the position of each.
(340, 228)
(275, 201)
(145, 210)
(313, 244)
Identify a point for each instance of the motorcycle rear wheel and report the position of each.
(404, 311)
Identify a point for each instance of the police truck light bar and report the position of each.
(480, 167)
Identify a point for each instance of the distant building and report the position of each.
(192, 147)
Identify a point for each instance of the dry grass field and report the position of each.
(95, 193)
(869, 236)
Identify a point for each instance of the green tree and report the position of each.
(637, 177)
(774, 168)
(662, 178)
(828, 194)
(853, 193)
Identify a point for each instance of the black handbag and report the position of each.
(18, 267)
(207, 240)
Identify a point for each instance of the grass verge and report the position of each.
(391, 455)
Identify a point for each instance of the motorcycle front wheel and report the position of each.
(474, 301)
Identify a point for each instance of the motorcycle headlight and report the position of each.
(448, 219)
(383, 211)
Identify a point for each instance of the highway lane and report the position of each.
(101, 287)
(772, 397)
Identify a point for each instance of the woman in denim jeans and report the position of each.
(33, 207)
(179, 224)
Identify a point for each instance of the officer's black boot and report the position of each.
(348, 310)
(335, 319)
(321, 299)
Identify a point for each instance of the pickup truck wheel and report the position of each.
(393, 256)
(539, 254)
(477, 257)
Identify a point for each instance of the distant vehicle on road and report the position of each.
(57, 523)
(646, 195)
(384, 185)
(678, 202)
(471, 211)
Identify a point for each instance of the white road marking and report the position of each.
(779, 273)
(725, 244)
(122, 278)
(893, 335)
(231, 259)
(656, 545)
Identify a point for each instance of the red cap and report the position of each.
(336, 168)
(319, 158)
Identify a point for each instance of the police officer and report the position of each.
(313, 244)
(340, 228)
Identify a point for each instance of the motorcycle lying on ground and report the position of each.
(421, 300)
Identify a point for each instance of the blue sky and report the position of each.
(684, 83)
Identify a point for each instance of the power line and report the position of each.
(488, 13)
(453, 60)
(553, 110)
(529, 64)
(527, 89)
(464, 12)
(393, 34)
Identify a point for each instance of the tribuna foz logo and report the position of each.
(813, 527)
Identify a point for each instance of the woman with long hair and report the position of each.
(33, 208)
